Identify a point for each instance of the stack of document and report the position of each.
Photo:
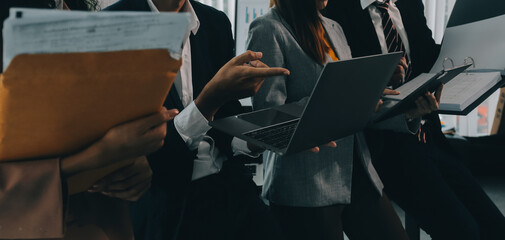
(466, 88)
(30, 31)
(71, 76)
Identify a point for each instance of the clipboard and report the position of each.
(52, 105)
(405, 101)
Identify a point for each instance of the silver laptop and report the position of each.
(342, 103)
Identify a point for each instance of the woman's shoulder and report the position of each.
(271, 21)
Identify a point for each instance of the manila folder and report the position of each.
(57, 104)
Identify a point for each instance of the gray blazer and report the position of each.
(304, 179)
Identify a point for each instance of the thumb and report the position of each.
(246, 58)
(438, 93)
(388, 91)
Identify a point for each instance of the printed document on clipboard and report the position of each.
(410, 91)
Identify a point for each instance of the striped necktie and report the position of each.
(393, 40)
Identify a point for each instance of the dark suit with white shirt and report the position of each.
(427, 180)
(219, 206)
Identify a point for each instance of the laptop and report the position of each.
(341, 103)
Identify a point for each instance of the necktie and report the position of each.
(393, 41)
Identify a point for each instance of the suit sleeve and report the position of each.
(424, 50)
(227, 49)
(31, 200)
(262, 38)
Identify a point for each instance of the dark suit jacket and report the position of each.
(362, 38)
(159, 212)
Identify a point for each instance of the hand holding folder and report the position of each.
(57, 104)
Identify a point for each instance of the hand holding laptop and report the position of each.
(239, 78)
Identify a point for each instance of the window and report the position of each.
(437, 13)
(480, 120)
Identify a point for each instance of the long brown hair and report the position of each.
(303, 17)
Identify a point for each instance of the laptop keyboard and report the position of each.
(277, 136)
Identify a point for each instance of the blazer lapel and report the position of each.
(337, 39)
(369, 41)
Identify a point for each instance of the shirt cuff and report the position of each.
(191, 125)
(240, 147)
(208, 161)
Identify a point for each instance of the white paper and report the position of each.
(55, 31)
(464, 89)
(484, 41)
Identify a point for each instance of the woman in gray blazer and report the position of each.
(311, 193)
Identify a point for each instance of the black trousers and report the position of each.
(432, 185)
(223, 206)
(226, 206)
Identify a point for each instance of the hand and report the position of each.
(387, 91)
(126, 141)
(421, 135)
(399, 75)
(139, 137)
(128, 183)
(331, 144)
(426, 104)
(239, 78)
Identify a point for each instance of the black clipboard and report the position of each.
(394, 105)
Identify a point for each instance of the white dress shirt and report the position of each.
(377, 22)
(191, 125)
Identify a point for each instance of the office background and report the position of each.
(437, 12)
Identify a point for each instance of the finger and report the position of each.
(438, 93)
(153, 120)
(132, 194)
(117, 176)
(424, 137)
(331, 144)
(265, 72)
(156, 133)
(398, 77)
(432, 102)
(258, 86)
(388, 91)
(125, 184)
(246, 57)
(258, 64)
(379, 105)
(314, 149)
(399, 69)
(403, 62)
(172, 113)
